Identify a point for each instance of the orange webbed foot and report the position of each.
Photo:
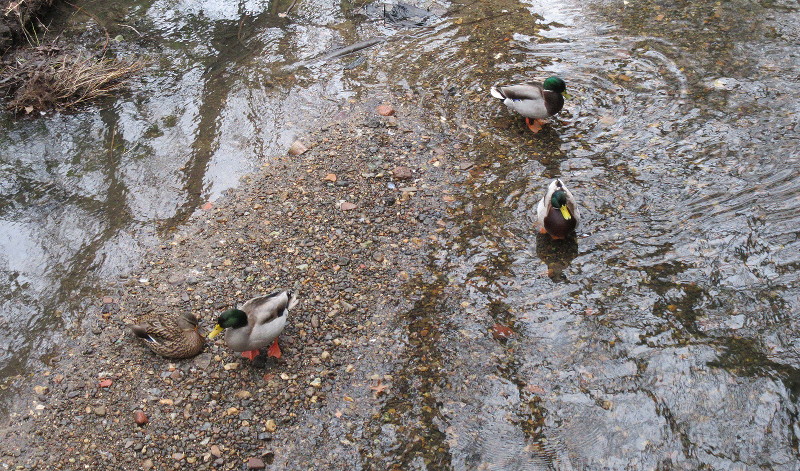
(251, 354)
(535, 126)
(274, 350)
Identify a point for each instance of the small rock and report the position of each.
(177, 456)
(331, 177)
(140, 417)
(297, 148)
(347, 206)
(243, 394)
(270, 426)
(216, 451)
(108, 300)
(203, 361)
(385, 110)
(315, 321)
(41, 390)
(147, 464)
(255, 463)
(231, 366)
(176, 279)
(402, 173)
(100, 410)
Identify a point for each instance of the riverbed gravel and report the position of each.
(346, 220)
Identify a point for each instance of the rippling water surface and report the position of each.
(664, 336)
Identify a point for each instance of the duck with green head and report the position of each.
(557, 213)
(533, 101)
(256, 324)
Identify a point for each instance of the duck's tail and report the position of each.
(497, 93)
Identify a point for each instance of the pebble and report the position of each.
(402, 173)
(255, 463)
(100, 410)
(41, 390)
(270, 426)
(243, 394)
(176, 279)
(385, 110)
(140, 417)
(347, 206)
(216, 451)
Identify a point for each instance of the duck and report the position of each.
(533, 101)
(256, 324)
(171, 337)
(557, 213)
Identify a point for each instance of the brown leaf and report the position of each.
(499, 331)
(379, 388)
(534, 389)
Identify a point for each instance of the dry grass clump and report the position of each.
(47, 78)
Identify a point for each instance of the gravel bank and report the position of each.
(349, 224)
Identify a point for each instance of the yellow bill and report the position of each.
(217, 330)
(565, 212)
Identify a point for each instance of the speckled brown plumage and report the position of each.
(170, 336)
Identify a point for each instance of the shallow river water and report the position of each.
(666, 335)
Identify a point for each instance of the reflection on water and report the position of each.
(83, 194)
(664, 336)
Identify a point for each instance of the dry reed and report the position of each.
(63, 80)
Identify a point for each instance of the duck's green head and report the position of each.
(232, 318)
(554, 84)
(559, 201)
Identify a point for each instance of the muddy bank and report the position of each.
(347, 224)
(42, 71)
(16, 17)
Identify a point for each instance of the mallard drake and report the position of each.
(557, 213)
(256, 324)
(171, 337)
(533, 101)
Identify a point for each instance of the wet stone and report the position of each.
(402, 173)
(255, 463)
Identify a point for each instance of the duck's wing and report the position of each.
(572, 205)
(264, 309)
(156, 330)
(522, 91)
